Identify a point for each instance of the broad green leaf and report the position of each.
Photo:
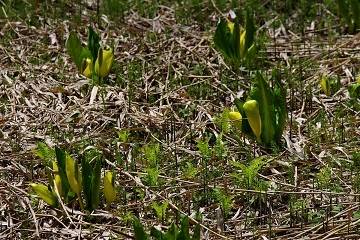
(157, 234)
(250, 30)
(355, 7)
(96, 178)
(280, 110)
(184, 229)
(76, 51)
(45, 194)
(91, 176)
(93, 43)
(139, 231)
(61, 163)
(223, 39)
(236, 54)
(87, 182)
(72, 173)
(262, 93)
(172, 232)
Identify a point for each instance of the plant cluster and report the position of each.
(234, 41)
(174, 232)
(67, 181)
(93, 61)
(263, 115)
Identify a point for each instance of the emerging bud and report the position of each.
(87, 67)
(104, 61)
(109, 189)
(251, 108)
(236, 119)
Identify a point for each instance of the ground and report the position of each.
(155, 120)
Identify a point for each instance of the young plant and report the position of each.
(91, 178)
(235, 42)
(173, 232)
(225, 201)
(264, 112)
(93, 61)
(248, 177)
(329, 85)
(151, 153)
(67, 181)
(160, 210)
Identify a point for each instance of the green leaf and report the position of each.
(44, 152)
(157, 234)
(262, 93)
(91, 176)
(96, 184)
(76, 51)
(139, 231)
(235, 41)
(61, 162)
(250, 30)
(223, 39)
(87, 182)
(45, 194)
(343, 10)
(355, 7)
(172, 232)
(93, 43)
(196, 235)
(73, 46)
(280, 109)
(184, 229)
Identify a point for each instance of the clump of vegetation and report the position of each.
(329, 85)
(68, 182)
(93, 61)
(264, 112)
(236, 43)
(173, 232)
